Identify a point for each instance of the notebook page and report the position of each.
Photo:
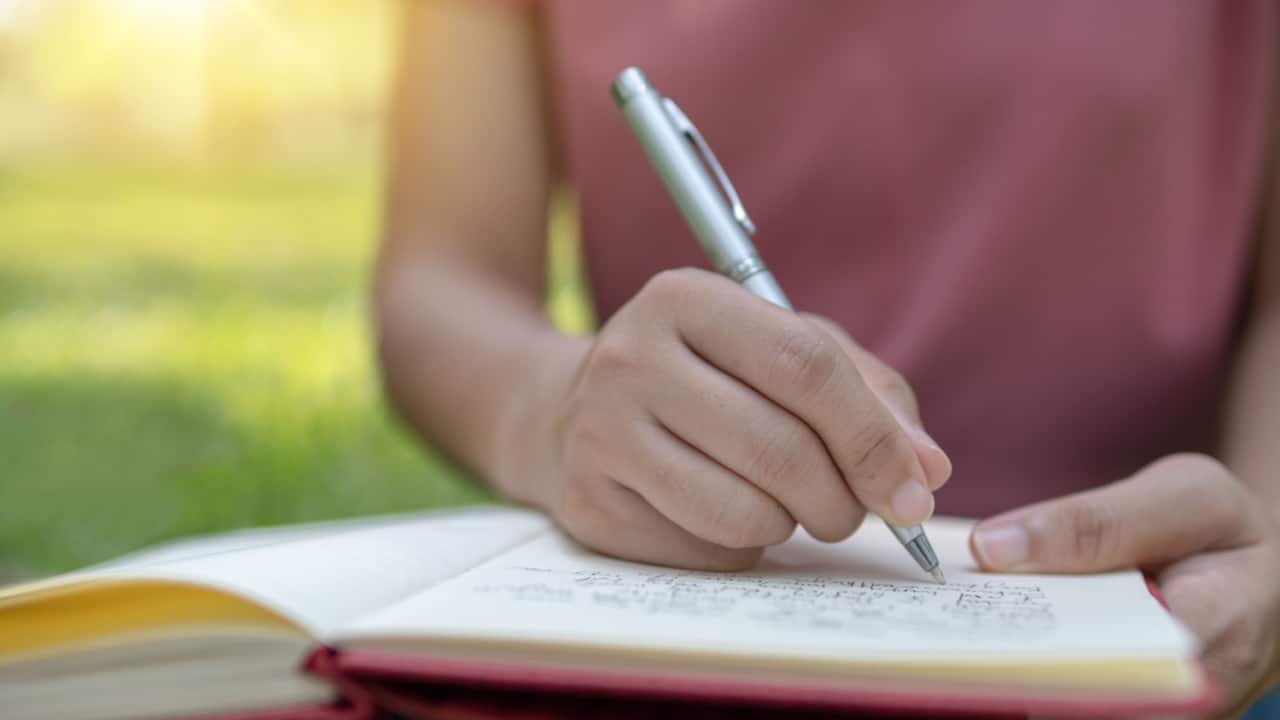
(860, 599)
(324, 578)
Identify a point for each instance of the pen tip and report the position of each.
(938, 577)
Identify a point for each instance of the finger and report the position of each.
(698, 494)
(797, 366)
(1170, 509)
(759, 441)
(898, 397)
(616, 521)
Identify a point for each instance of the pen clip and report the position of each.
(686, 127)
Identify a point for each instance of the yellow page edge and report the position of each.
(42, 616)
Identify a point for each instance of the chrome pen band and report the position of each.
(751, 273)
(744, 268)
(905, 534)
(916, 543)
(922, 552)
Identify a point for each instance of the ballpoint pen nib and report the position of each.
(938, 577)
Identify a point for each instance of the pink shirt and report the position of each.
(1041, 213)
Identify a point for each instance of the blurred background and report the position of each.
(189, 208)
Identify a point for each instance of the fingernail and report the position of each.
(1004, 546)
(912, 503)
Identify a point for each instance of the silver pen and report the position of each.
(670, 139)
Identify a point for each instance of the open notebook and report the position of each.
(309, 620)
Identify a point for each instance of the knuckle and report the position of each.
(806, 359)
(666, 473)
(1208, 485)
(871, 446)
(581, 510)
(615, 353)
(1198, 466)
(671, 286)
(1092, 530)
(743, 521)
(839, 525)
(782, 456)
(724, 527)
(766, 527)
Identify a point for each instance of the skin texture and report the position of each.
(675, 440)
(680, 438)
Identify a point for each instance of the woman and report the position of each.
(1040, 220)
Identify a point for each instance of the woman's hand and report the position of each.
(702, 424)
(1213, 548)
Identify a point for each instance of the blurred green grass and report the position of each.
(186, 348)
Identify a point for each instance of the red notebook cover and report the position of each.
(425, 686)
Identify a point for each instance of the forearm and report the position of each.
(462, 334)
(463, 352)
(1251, 443)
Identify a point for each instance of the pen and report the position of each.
(669, 139)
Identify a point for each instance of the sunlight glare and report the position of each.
(8, 11)
(169, 13)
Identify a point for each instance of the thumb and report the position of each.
(1175, 507)
(899, 399)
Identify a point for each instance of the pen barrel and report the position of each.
(916, 543)
(763, 285)
(691, 187)
(905, 534)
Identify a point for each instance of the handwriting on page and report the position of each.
(836, 605)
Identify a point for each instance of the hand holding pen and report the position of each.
(722, 226)
(701, 424)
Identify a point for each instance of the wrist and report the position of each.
(525, 457)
